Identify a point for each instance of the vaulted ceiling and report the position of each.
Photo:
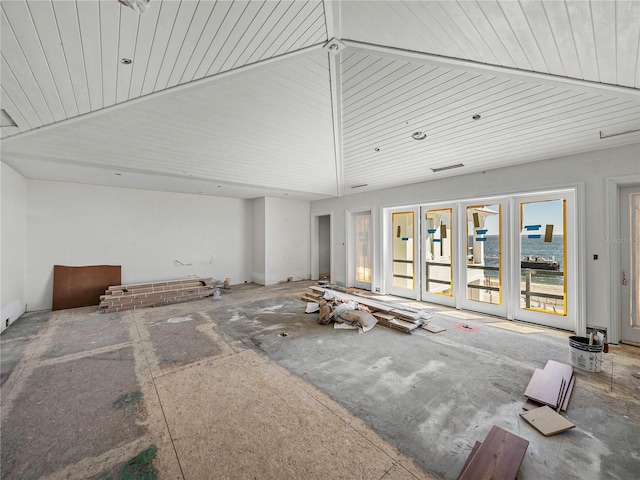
(310, 99)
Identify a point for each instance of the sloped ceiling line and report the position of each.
(191, 86)
(469, 65)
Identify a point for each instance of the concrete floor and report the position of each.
(221, 393)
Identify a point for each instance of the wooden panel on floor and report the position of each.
(82, 286)
(567, 396)
(499, 456)
(531, 405)
(472, 454)
(546, 421)
(544, 387)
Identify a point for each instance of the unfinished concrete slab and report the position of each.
(226, 394)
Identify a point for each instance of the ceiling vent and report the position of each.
(360, 185)
(449, 167)
(7, 121)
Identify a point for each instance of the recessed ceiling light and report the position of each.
(419, 135)
(477, 116)
(219, 186)
(126, 61)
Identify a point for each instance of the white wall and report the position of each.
(144, 231)
(286, 239)
(13, 188)
(591, 169)
(259, 246)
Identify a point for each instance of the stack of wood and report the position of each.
(548, 393)
(550, 386)
(389, 316)
(128, 297)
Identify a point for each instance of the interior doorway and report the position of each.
(629, 244)
(324, 247)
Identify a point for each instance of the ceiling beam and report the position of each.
(486, 69)
(332, 18)
(336, 113)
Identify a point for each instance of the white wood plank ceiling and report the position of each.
(242, 98)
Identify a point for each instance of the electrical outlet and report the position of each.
(378, 289)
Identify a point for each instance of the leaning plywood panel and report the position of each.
(82, 286)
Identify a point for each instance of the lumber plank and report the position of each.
(531, 405)
(433, 328)
(499, 456)
(547, 421)
(567, 396)
(472, 454)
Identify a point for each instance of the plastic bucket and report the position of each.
(584, 356)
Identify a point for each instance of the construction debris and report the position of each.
(403, 319)
(550, 386)
(129, 297)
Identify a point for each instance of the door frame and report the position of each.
(612, 195)
(387, 248)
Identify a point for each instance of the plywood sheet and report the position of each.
(531, 405)
(499, 456)
(567, 396)
(82, 286)
(544, 387)
(515, 327)
(546, 421)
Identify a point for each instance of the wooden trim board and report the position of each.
(547, 421)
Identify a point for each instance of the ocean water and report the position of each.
(534, 247)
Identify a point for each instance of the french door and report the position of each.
(483, 248)
(511, 256)
(402, 250)
(545, 259)
(439, 235)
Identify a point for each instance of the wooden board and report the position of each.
(472, 454)
(562, 370)
(499, 456)
(544, 387)
(82, 286)
(567, 396)
(546, 421)
(433, 329)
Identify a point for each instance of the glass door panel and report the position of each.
(543, 256)
(544, 260)
(403, 235)
(484, 254)
(438, 255)
(363, 250)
